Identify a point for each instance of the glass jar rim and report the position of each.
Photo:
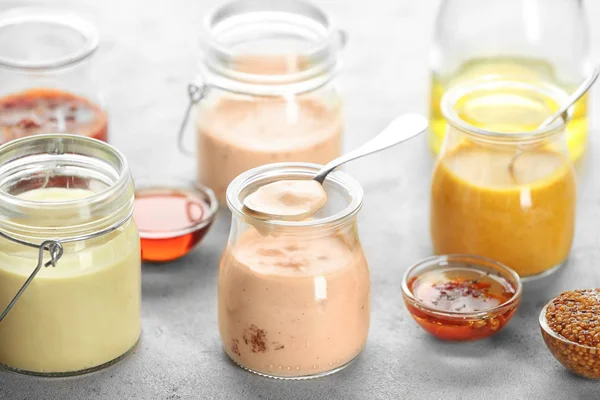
(47, 15)
(22, 142)
(218, 57)
(268, 172)
(113, 204)
(457, 92)
(473, 259)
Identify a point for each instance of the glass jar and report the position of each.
(66, 203)
(266, 91)
(294, 297)
(509, 197)
(511, 39)
(45, 75)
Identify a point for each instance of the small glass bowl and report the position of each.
(459, 325)
(168, 240)
(577, 358)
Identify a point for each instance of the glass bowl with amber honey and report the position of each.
(570, 326)
(172, 216)
(461, 297)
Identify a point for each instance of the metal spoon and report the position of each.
(577, 94)
(399, 130)
(562, 111)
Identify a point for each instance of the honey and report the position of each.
(490, 110)
(171, 221)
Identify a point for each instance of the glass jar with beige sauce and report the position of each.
(294, 296)
(66, 203)
(266, 91)
(503, 193)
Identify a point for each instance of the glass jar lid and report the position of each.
(63, 161)
(39, 38)
(269, 43)
(344, 196)
(490, 93)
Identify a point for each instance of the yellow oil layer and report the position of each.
(81, 314)
(494, 110)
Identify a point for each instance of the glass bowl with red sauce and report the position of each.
(172, 218)
(461, 297)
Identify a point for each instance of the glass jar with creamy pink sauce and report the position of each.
(266, 91)
(294, 296)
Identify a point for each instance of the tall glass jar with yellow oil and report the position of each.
(536, 41)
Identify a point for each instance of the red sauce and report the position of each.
(171, 222)
(36, 111)
(461, 291)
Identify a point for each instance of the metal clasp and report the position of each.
(56, 251)
(55, 248)
(196, 92)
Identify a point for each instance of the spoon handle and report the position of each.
(562, 112)
(576, 95)
(399, 130)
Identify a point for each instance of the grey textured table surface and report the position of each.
(148, 55)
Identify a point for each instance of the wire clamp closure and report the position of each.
(196, 92)
(53, 247)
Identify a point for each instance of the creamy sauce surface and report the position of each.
(287, 199)
(82, 313)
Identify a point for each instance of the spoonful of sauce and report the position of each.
(295, 200)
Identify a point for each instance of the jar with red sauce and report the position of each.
(45, 75)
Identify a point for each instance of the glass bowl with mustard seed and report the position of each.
(570, 325)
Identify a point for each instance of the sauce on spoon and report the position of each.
(287, 199)
(300, 199)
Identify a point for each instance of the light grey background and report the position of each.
(148, 55)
